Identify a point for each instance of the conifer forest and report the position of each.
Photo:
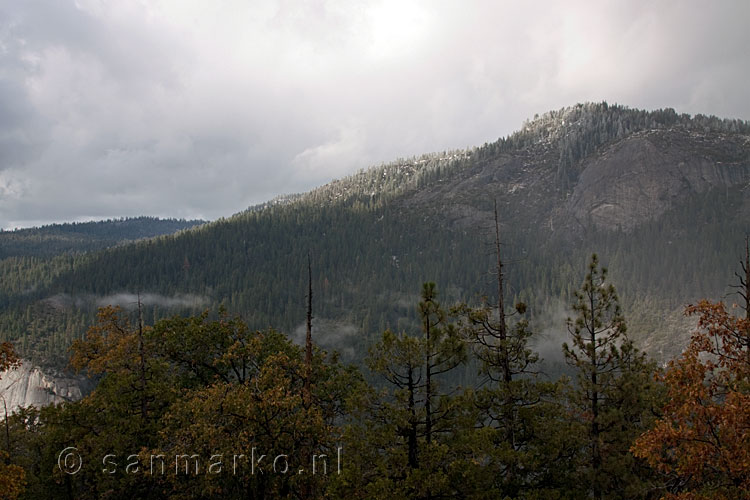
(561, 314)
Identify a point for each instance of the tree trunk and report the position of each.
(428, 383)
(503, 336)
(142, 364)
(308, 337)
(596, 459)
(412, 438)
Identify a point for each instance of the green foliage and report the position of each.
(615, 397)
(516, 435)
(231, 393)
(429, 426)
(403, 437)
(217, 395)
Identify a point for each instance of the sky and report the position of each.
(199, 109)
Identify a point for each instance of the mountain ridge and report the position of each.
(55, 239)
(555, 135)
(588, 178)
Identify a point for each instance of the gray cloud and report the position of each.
(553, 332)
(126, 300)
(195, 109)
(130, 300)
(331, 335)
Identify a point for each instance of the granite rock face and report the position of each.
(643, 176)
(619, 187)
(28, 385)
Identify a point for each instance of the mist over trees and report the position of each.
(394, 227)
(211, 399)
(445, 286)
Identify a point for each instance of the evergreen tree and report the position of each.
(614, 394)
(513, 410)
(401, 442)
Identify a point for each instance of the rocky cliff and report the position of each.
(28, 385)
(641, 177)
(620, 186)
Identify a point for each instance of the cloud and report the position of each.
(130, 300)
(193, 109)
(554, 332)
(331, 335)
(126, 300)
(334, 156)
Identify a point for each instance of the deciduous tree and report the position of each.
(703, 437)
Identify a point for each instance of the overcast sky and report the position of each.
(198, 109)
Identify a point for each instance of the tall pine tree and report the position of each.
(614, 394)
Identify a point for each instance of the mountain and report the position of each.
(663, 198)
(55, 239)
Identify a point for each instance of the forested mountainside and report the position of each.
(663, 198)
(76, 237)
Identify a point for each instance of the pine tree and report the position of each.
(513, 407)
(614, 393)
(401, 440)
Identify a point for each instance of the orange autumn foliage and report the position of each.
(702, 440)
(12, 479)
(8, 357)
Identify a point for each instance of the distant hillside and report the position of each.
(663, 198)
(56, 239)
